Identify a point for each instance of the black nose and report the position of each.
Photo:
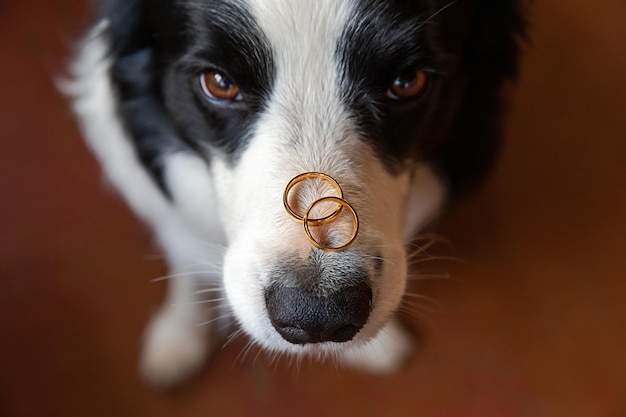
(303, 317)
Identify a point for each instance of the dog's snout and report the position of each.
(301, 316)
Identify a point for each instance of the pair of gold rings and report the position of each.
(306, 219)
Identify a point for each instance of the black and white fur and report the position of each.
(208, 176)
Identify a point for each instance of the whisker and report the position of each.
(417, 314)
(192, 303)
(226, 323)
(436, 305)
(171, 276)
(295, 362)
(232, 337)
(185, 274)
(213, 320)
(436, 13)
(259, 352)
(217, 265)
(420, 260)
(243, 353)
(431, 236)
(212, 245)
(421, 249)
(425, 277)
(209, 290)
(380, 258)
(274, 360)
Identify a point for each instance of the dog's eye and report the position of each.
(218, 86)
(409, 85)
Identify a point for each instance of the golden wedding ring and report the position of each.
(342, 203)
(308, 222)
(307, 176)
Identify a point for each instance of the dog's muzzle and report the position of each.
(327, 297)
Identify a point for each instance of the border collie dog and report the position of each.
(202, 112)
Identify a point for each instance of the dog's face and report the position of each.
(368, 92)
(269, 89)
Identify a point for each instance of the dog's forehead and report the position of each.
(303, 37)
(286, 21)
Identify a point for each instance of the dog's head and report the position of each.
(396, 100)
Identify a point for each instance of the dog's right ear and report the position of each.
(134, 77)
(126, 25)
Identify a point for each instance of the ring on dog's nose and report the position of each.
(306, 176)
(342, 203)
(307, 221)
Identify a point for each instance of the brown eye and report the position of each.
(219, 86)
(408, 86)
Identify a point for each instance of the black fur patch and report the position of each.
(218, 36)
(384, 40)
(160, 51)
(468, 48)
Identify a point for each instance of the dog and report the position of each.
(285, 154)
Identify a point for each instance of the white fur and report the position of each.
(234, 217)
(191, 244)
(386, 352)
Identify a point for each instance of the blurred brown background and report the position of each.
(533, 324)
